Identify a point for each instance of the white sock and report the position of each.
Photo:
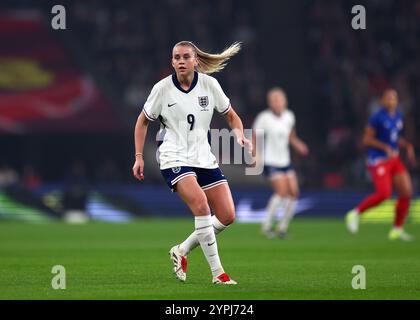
(289, 211)
(192, 241)
(205, 235)
(273, 205)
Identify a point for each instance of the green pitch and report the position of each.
(130, 261)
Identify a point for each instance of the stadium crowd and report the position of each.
(131, 44)
(127, 48)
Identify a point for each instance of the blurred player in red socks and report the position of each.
(382, 137)
(184, 103)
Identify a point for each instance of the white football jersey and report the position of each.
(277, 131)
(185, 120)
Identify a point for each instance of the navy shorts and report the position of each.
(272, 172)
(206, 178)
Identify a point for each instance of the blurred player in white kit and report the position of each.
(277, 124)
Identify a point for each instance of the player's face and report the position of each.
(184, 60)
(390, 100)
(277, 101)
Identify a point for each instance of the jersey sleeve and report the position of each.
(401, 122)
(292, 119)
(153, 106)
(374, 121)
(259, 123)
(221, 101)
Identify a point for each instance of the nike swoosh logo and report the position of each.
(170, 105)
(210, 244)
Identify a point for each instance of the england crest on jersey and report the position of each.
(203, 101)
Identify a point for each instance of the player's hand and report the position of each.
(303, 149)
(138, 168)
(411, 156)
(245, 143)
(391, 153)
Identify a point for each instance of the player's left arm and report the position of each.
(411, 155)
(235, 123)
(298, 144)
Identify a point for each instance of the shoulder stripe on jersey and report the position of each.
(227, 109)
(147, 116)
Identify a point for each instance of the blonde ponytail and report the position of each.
(210, 63)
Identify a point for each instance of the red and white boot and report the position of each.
(224, 279)
(180, 263)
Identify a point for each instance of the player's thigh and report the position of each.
(292, 185)
(403, 185)
(382, 179)
(280, 185)
(192, 194)
(221, 201)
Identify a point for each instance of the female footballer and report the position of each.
(382, 137)
(277, 124)
(184, 103)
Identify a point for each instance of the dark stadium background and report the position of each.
(69, 98)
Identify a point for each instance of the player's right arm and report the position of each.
(151, 111)
(409, 148)
(298, 144)
(140, 132)
(369, 140)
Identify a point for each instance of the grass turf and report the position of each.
(130, 261)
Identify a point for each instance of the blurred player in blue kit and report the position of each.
(383, 138)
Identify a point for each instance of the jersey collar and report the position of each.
(387, 113)
(178, 85)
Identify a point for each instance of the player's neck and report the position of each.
(276, 113)
(391, 112)
(185, 81)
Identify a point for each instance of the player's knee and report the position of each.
(281, 194)
(228, 218)
(406, 194)
(294, 194)
(385, 194)
(200, 205)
